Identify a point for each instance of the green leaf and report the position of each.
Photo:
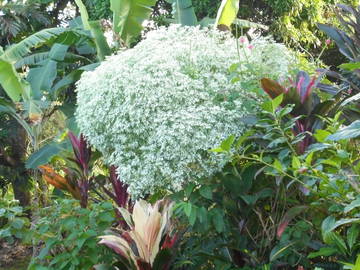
(276, 102)
(227, 13)
(335, 239)
(348, 132)
(206, 192)
(218, 220)
(295, 163)
(17, 223)
(330, 224)
(324, 251)
(42, 78)
(243, 138)
(187, 209)
(18, 50)
(321, 135)
(129, 16)
(226, 144)
(352, 235)
(350, 66)
(44, 155)
(277, 165)
(183, 12)
(102, 47)
(279, 251)
(71, 78)
(192, 217)
(11, 81)
(352, 205)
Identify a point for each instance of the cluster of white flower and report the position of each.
(156, 109)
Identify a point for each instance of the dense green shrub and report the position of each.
(68, 235)
(14, 222)
(156, 109)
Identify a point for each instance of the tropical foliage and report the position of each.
(131, 142)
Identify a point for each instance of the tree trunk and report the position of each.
(15, 160)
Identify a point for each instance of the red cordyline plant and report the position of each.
(82, 153)
(78, 176)
(307, 104)
(147, 244)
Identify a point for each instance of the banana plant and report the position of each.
(183, 12)
(227, 14)
(129, 16)
(95, 29)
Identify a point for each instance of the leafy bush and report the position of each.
(69, 234)
(13, 221)
(156, 109)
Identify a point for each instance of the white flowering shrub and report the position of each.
(156, 109)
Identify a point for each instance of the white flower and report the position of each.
(156, 109)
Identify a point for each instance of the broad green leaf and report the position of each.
(206, 192)
(71, 78)
(18, 50)
(11, 81)
(277, 101)
(41, 78)
(352, 205)
(102, 47)
(348, 132)
(324, 251)
(187, 209)
(277, 165)
(44, 155)
(278, 251)
(129, 16)
(350, 66)
(192, 217)
(218, 220)
(183, 12)
(295, 162)
(226, 144)
(321, 135)
(227, 13)
(84, 14)
(36, 58)
(17, 223)
(351, 99)
(94, 27)
(335, 239)
(352, 235)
